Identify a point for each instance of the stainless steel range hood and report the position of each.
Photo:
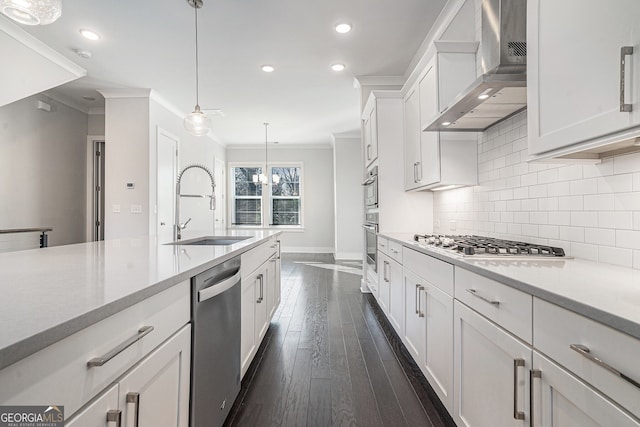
(501, 90)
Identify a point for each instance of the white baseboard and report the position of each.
(305, 250)
(348, 256)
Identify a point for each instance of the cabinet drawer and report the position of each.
(254, 258)
(434, 271)
(395, 251)
(59, 373)
(504, 305)
(383, 245)
(556, 329)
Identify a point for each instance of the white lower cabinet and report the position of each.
(156, 391)
(561, 399)
(396, 296)
(260, 297)
(101, 412)
(491, 372)
(428, 333)
(384, 282)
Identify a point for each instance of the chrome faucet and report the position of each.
(177, 229)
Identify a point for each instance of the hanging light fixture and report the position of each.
(197, 123)
(32, 12)
(263, 178)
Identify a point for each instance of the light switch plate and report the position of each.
(115, 209)
(136, 209)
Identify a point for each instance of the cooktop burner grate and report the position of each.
(480, 245)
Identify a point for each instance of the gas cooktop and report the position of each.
(488, 246)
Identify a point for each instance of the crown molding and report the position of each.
(125, 93)
(380, 81)
(96, 111)
(61, 99)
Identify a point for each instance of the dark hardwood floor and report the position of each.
(330, 358)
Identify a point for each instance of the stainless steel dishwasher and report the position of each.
(215, 355)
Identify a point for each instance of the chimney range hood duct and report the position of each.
(501, 91)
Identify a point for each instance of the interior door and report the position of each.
(166, 185)
(98, 179)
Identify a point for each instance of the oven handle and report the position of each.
(373, 228)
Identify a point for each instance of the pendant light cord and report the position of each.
(266, 158)
(196, 7)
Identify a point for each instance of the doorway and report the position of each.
(95, 188)
(167, 172)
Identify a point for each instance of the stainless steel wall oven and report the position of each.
(371, 239)
(371, 189)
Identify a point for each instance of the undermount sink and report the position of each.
(212, 240)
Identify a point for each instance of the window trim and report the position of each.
(266, 213)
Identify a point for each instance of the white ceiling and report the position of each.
(150, 44)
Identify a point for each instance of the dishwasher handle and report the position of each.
(218, 287)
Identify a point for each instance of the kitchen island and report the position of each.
(93, 319)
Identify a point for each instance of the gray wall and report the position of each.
(348, 198)
(317, 234)
(42, 168)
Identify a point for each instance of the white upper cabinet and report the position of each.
(29, 66)
(434, 159)
(370, 132)
(579, 75)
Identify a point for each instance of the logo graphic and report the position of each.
(31, 416)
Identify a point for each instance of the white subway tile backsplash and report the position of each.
(592, 211)
(571, 203)
(585, 251)
(572, 234)
(617, 256)
(569, 173)
(615, 183)
(598, 202)
(584, 219)
(547, 176)
(559, 189)
(538, 191)
(560, 218)
(617, 220)
(584, 186)
(600, 236)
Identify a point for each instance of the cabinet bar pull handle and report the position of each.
(518, 415)
(99, 361)
(420, 313)
(584, 351)
(533, 374)
(135, 399)
(417, 296)
(624, 51)
(415, 173)
(477, 295)
(384, 271)
(261, 279)
(114, 416)
(419, 171)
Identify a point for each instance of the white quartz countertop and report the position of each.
(50, 293)
(606, 293)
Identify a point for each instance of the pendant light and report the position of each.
(263, 177)
(197, 123)
(32, 12)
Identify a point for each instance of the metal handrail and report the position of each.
(44, 239)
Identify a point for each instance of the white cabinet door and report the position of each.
(491, 368)
(574, 70)
(560, 399)
(262, 304)
(156, 391)
(429, 168)
(370, 134)
(411, 139)
(384, 282)
(102, 412)
(438, 366)
(273, 286)
(248, 334)
(396, 297)
(415, 328)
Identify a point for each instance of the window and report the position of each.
(278, 204)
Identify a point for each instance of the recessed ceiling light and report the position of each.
(89, 34)
(88, 98)
(83, 53)
(446, 123)
(338, 67)
(343, 28)
(483, 96)
(268, 68)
